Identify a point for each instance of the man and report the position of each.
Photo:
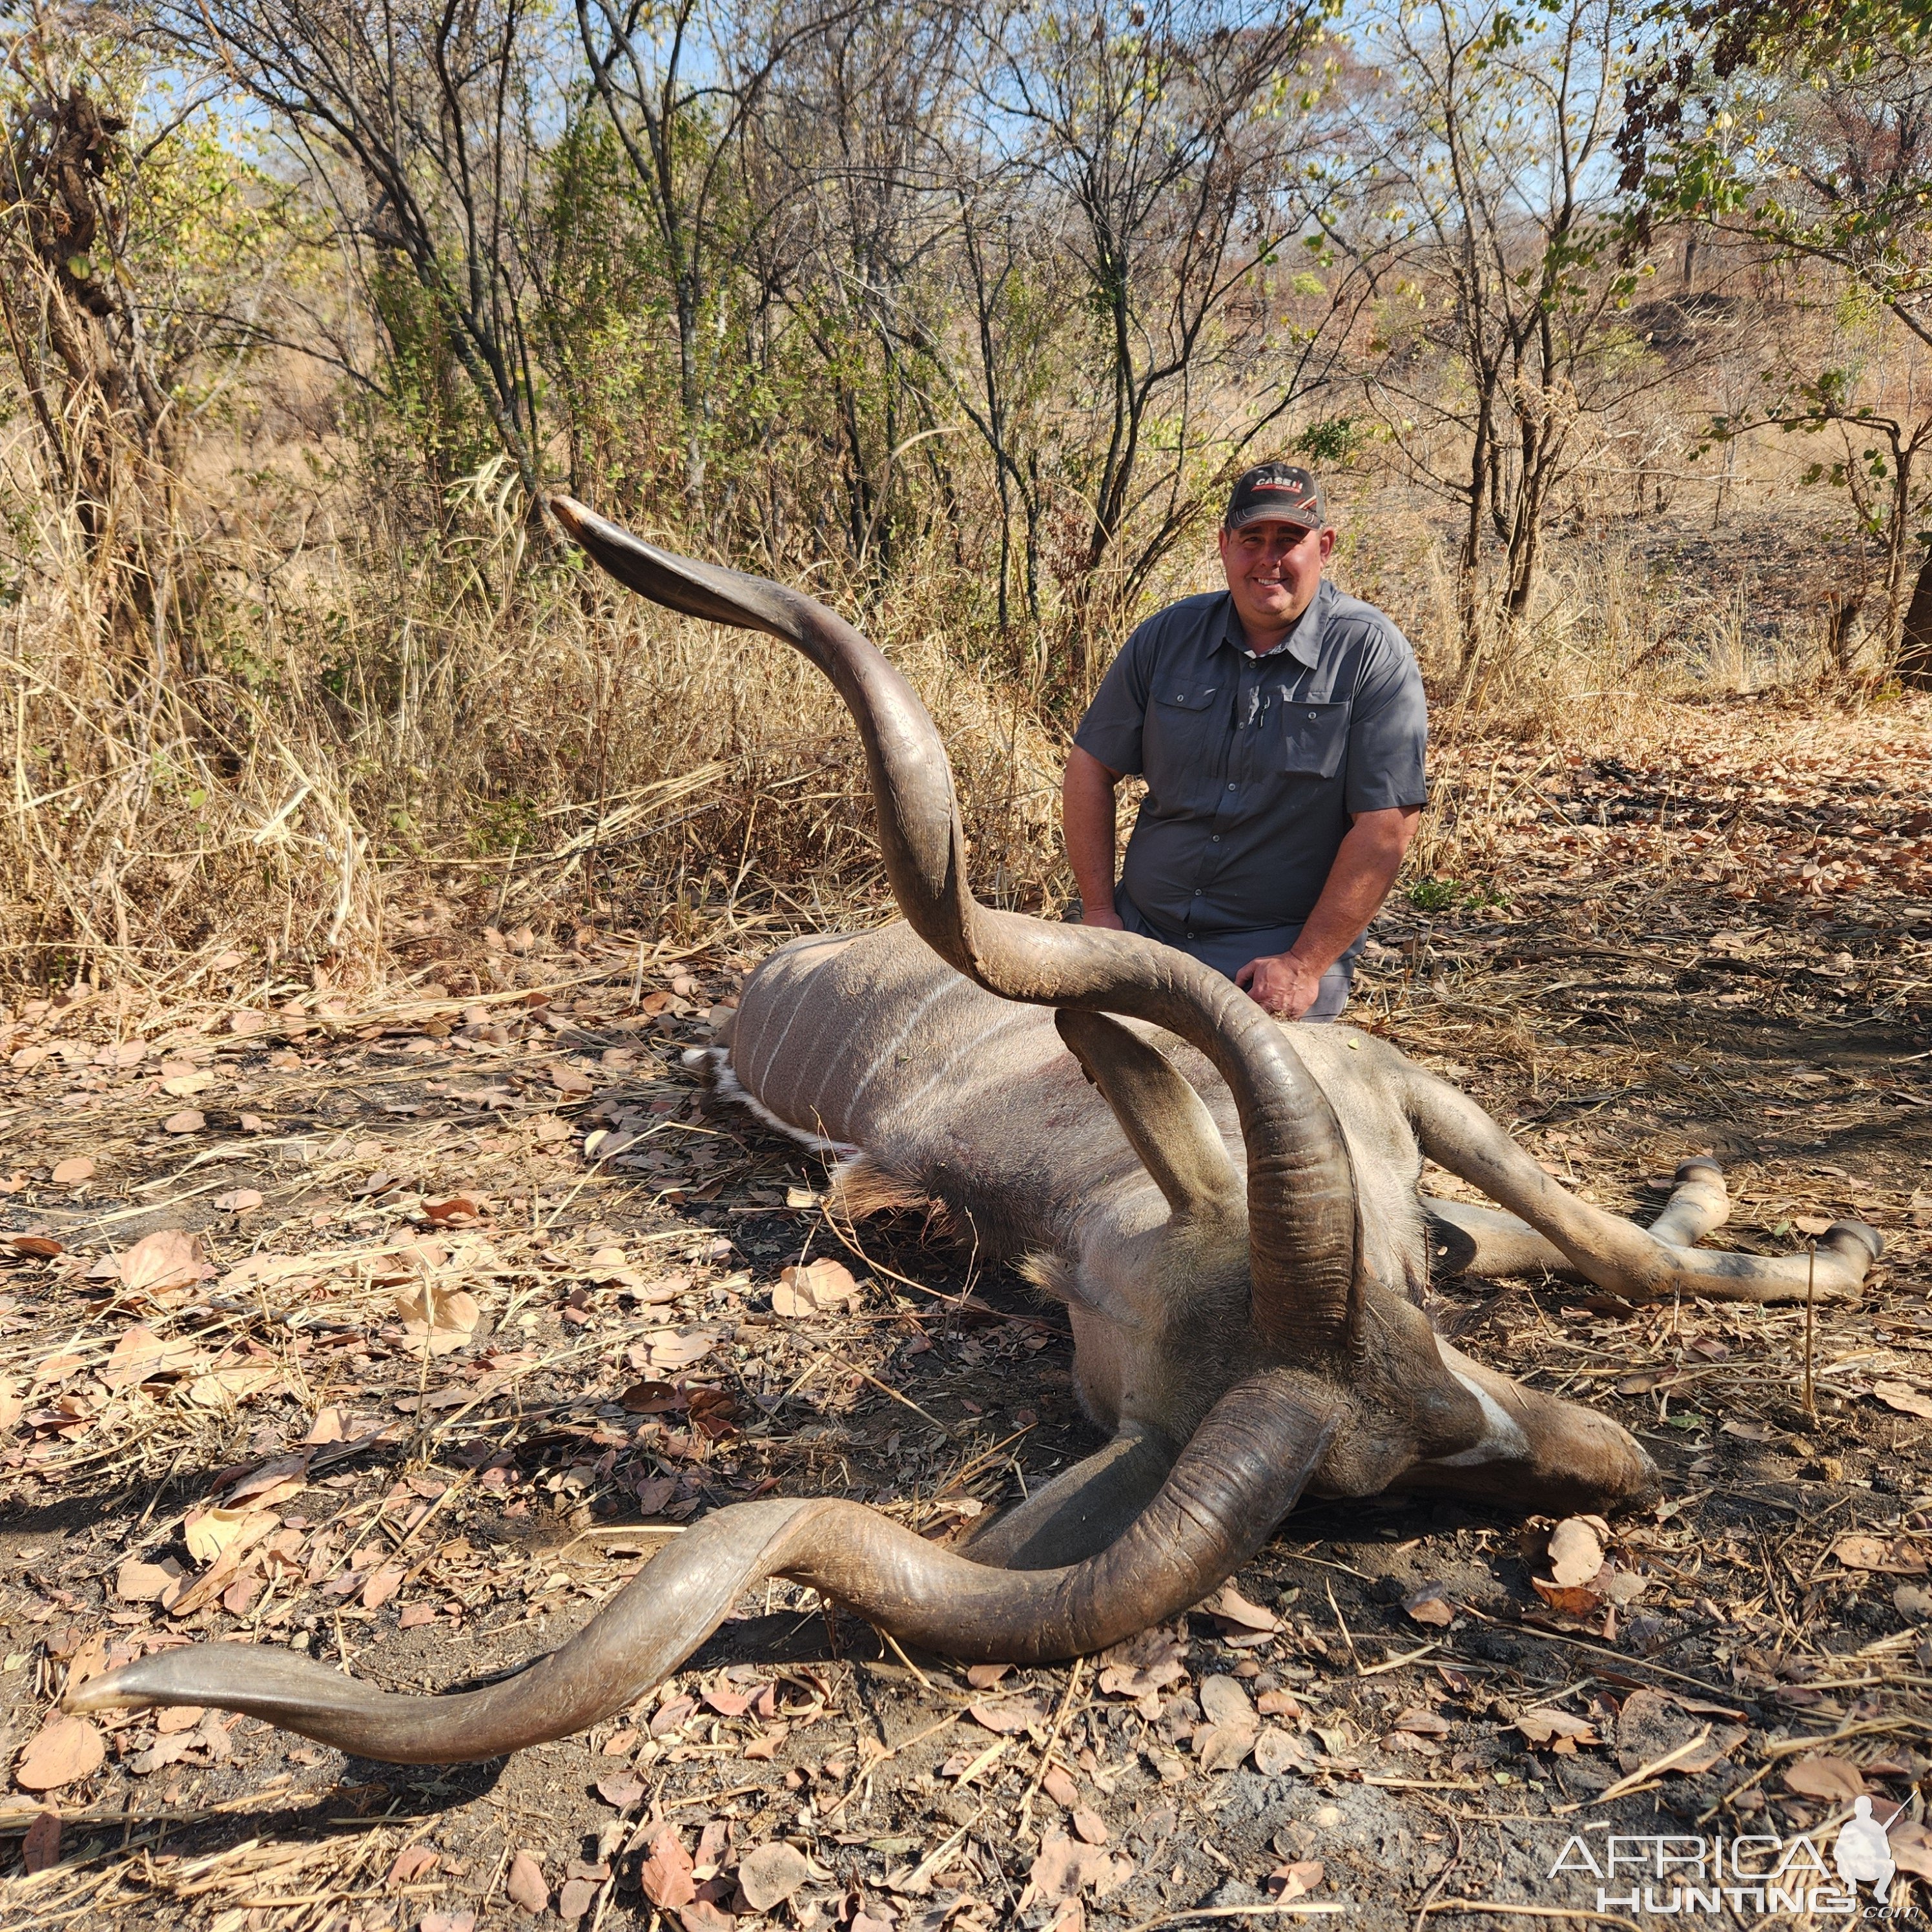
(1281, 728)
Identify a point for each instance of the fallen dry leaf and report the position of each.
(1276, 1751)
(525, 1885)
(411, 1863)
(665, 1874)
(445, 1319)
(1150, 1661)
(211, 1533)
(1228, 1603)
(1575, 1551)
(238, 1201)
(138, 1582)
(1430, 1605)
(169, 1259)
(189, 1121)
(382, 1585)
(1858, 1551)
(1419, 1722)
(140, 1353)
(1911, 1849)
(1547, 1727)
(273, 1483)
(1913, 1603)
(1302, 1876)
(65, 1751)
(1223, 1747)
(1006, 1719)
(72, 1173)
(1089, 1826)
(1066, 1867)
(1904, 1398)
(770, 1876)
(667, 1351)
(818, 1288)
(1226, 1703)
(1822, 1775)
(40, 1847)
(1570, 1600)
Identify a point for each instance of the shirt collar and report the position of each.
(1303, 643)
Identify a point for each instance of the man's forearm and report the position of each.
(1087, 816)
(1358, 881)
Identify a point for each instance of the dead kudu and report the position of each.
(1229, 1209)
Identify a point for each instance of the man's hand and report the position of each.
(1281, 984)
(1106, 918)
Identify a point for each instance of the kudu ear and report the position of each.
(1166, 1122)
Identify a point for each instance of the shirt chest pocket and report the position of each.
(1314, 735)
(1188, 724)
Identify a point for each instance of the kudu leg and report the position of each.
(1467, 1239)
(1614, 1253)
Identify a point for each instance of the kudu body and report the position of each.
(1229, 1210)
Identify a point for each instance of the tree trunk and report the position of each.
(691, 395)
(1914, 663)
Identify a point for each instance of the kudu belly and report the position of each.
(872, 1042)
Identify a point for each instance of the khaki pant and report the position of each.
(1227, 953)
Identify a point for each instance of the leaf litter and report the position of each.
(446, 1315)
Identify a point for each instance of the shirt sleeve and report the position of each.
(1111, 731)
(1388, 731)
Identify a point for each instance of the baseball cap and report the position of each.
(1279, 493)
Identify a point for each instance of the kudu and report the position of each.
(1230, 1212)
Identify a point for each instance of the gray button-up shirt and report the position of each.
(1255, 765)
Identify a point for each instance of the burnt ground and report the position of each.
(357, 1339)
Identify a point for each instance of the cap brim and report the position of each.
(1266, 513)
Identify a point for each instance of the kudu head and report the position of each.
(1330, 1378)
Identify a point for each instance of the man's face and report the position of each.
(1273, 570)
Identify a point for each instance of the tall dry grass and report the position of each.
(359, 767)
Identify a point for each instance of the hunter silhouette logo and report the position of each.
(1863, 1853)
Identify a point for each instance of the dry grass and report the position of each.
(470, 742)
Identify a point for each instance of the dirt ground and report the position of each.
(399, 1328)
